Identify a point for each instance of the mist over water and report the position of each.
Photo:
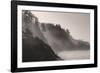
(75, 55)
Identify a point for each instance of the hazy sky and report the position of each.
(77, 23)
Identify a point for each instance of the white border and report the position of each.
(53, 63)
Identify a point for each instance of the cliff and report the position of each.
(34, 47)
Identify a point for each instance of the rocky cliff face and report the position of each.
(33, 41)
(31, 23)
(44, 41)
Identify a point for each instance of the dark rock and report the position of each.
(35, 49)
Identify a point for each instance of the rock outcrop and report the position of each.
(33, 42)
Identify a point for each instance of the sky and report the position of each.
(77, 23)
